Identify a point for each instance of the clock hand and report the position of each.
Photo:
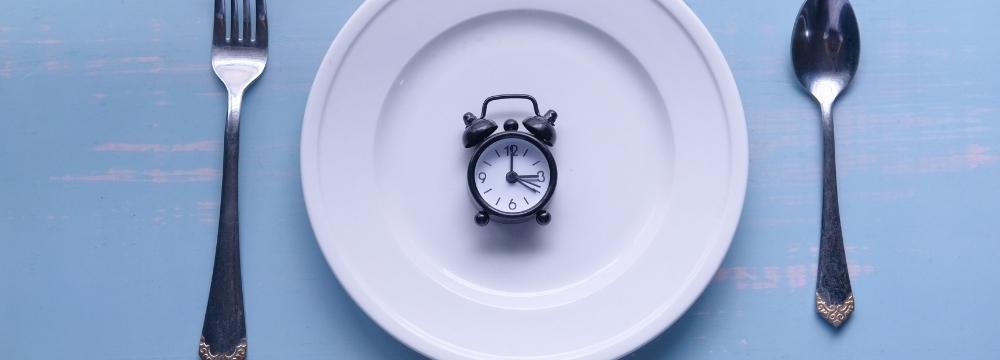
(511, 154)
(529, 188)
(531, 178)
(528, 185)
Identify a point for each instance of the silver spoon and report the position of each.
(825, 49)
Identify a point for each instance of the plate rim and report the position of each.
(725, 84)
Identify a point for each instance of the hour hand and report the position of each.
(531, 178)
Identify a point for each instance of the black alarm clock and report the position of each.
(512, 174)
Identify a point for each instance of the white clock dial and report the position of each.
(512, 175)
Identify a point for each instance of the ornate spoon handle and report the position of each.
(834, 298)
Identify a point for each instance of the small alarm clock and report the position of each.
(512, 174)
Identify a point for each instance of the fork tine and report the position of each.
(219, 29)
(261, 38)
(234, 22)
(246, 22)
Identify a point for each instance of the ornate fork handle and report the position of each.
(205, 352)
(225, 325)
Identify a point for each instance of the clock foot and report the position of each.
(482, 218)
(543, 217)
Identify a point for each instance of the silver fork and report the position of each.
(237, 59)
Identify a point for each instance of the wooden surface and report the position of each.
(110, 158)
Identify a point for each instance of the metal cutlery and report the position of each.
(825, 51)
(239, 53)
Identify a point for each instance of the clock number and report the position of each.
(482, 177)
(541, 176)
(512, 205)
(511, 150)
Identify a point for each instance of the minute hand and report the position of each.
(511, 155)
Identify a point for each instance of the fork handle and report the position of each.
(834, 297)
(223, 335)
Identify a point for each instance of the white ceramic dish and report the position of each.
(652, 156)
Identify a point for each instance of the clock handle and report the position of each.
(486, 103)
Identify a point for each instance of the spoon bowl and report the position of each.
(826, 47)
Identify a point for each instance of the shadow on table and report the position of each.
(678, 340)
(364, 337)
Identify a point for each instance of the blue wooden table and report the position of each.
(110, 129)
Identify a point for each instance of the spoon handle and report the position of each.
(834, 298)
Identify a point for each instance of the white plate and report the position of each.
(652, 156)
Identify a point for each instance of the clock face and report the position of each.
(512, 174)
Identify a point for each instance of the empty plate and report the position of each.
(652, 157)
